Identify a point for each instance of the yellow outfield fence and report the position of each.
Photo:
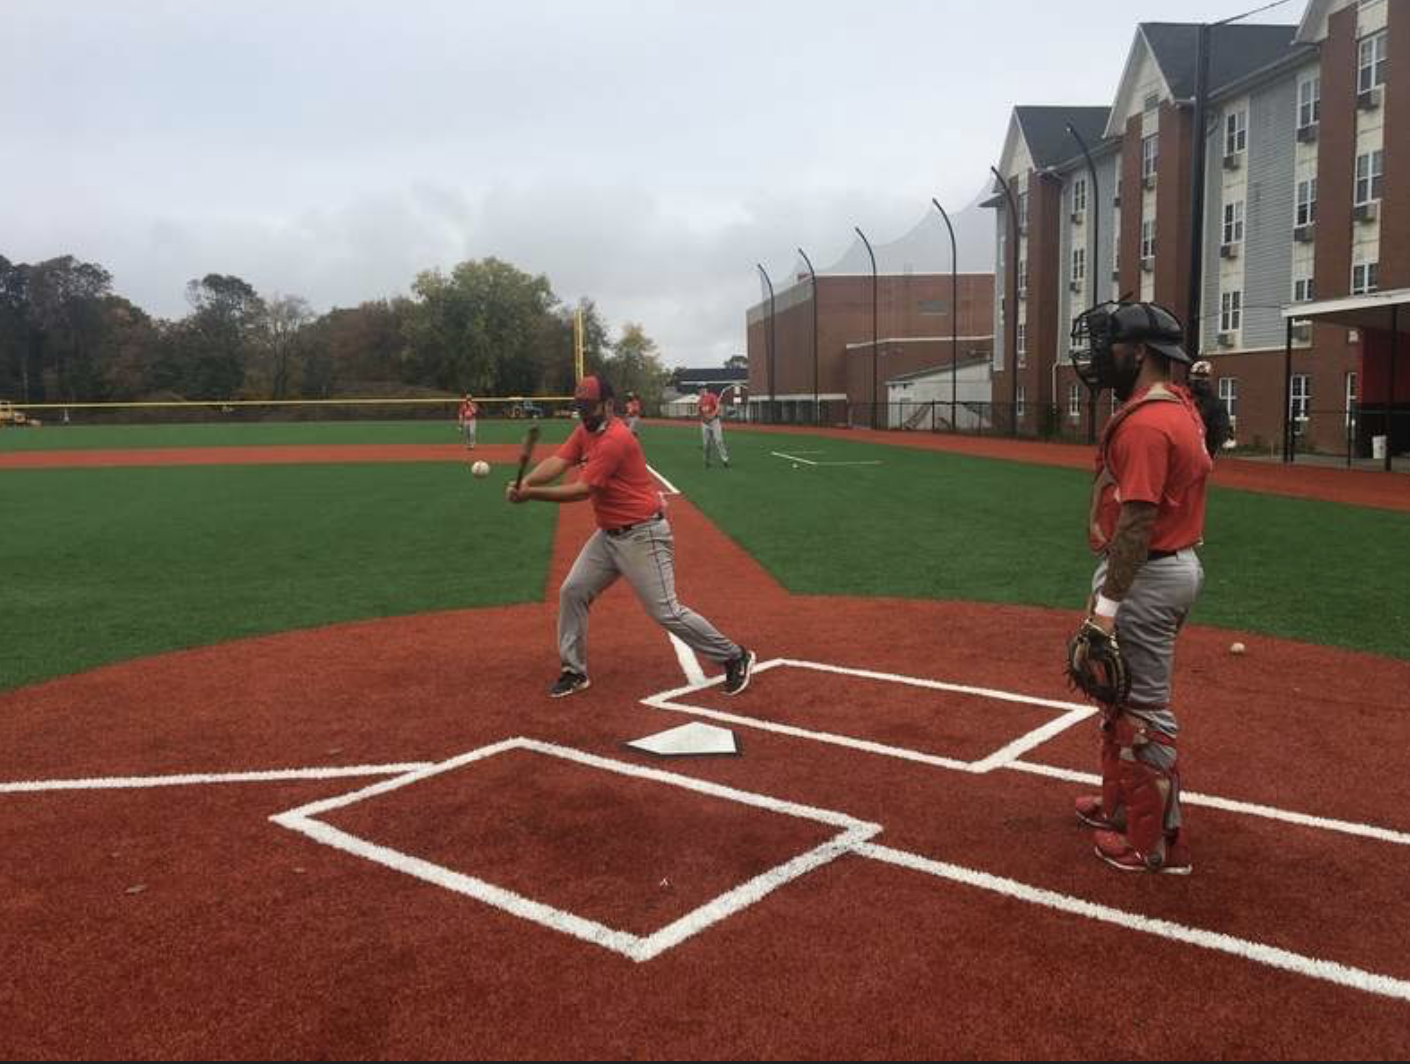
(363, 408)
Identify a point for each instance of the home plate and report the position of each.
(693, 739)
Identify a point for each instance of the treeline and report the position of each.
(484, 327)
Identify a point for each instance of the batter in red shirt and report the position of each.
(1146, 519)
(633, 540)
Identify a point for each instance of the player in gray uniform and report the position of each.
(633, 539)
(1147, 516)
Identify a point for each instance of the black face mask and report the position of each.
(1094, 359)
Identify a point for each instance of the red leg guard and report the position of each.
(1147, 793)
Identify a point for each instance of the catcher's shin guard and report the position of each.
(1147, 792)
(1104, 810)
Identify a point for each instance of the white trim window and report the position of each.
(1150, 155)
(1236, 132)
(1307, 201)
(1234, 222)
(1365, 277)
(1020, 403)
(1022, 210)
(1300, 398)
(1021, 338)
(1229, 395)
(1371, 68)
(1309, 101)
(1303, 290)
(1079, 194)
(1231, 311)
(1148, 238)
(1349, 392)
(1022, 278)
(1079, 265)
(1074, 401)
(1370, 167)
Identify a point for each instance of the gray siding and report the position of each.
(1272, 145)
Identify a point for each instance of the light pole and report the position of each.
(954, 320)
(769, 341)
(1011, 302)
(875, 338)
(812, 274)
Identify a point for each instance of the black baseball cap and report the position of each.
(1152, 325)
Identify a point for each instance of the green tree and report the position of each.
(477, 329)
(635, 366)
(219, 340)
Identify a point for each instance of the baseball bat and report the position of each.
(526, 451)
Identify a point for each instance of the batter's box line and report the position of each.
(1009, 757)
(1072, 714)
(852, 834)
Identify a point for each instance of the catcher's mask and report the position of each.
(1097, 331)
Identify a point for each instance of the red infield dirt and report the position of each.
(181, 921)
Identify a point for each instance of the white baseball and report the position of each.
(481, 469)
(1236, 648)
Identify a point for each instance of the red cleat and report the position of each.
(1089, 811)
(1113, 848)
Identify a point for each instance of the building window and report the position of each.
(1234, 222)
(1372, 69)
(1369, 167)
(1079, 194)
(1151, 102)
(1302, 290)
(1021, 337)
(1309, 102)
(1235, 132)
(1022, 278)
(1365, 277)
(1231, 311)
(1307, 201)
(1018, 409)
(1150, 155)
(1351, 401)
(1074, 401)
(1300, 402)
(1229, 395)
(1148, 238)
(1022, 210)
(1079, 264)
(1116, 195)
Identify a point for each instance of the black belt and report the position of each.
(1156, 555)
(657, 516)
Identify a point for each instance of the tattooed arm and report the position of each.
(1126, 552)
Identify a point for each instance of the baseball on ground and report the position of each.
(1236, 648)
(481, 469)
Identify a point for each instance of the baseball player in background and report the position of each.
(468, 413)
(633, 539)
(1146, 518)
(712, 429)
(633, 411)
(1217, 427)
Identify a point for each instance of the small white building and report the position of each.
(921, 401)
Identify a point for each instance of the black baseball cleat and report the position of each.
(569, 682)
(738, 671)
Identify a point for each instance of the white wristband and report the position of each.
(1106, 607)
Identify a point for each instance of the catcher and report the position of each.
(1146, 518)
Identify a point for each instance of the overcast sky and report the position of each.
(644, 153)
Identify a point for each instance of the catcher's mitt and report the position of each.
(1096, 667)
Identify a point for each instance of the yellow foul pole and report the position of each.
(578, 368)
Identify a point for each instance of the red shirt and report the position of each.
(468, 410)
(709, 406)
(623, 491)
(1156, 454)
